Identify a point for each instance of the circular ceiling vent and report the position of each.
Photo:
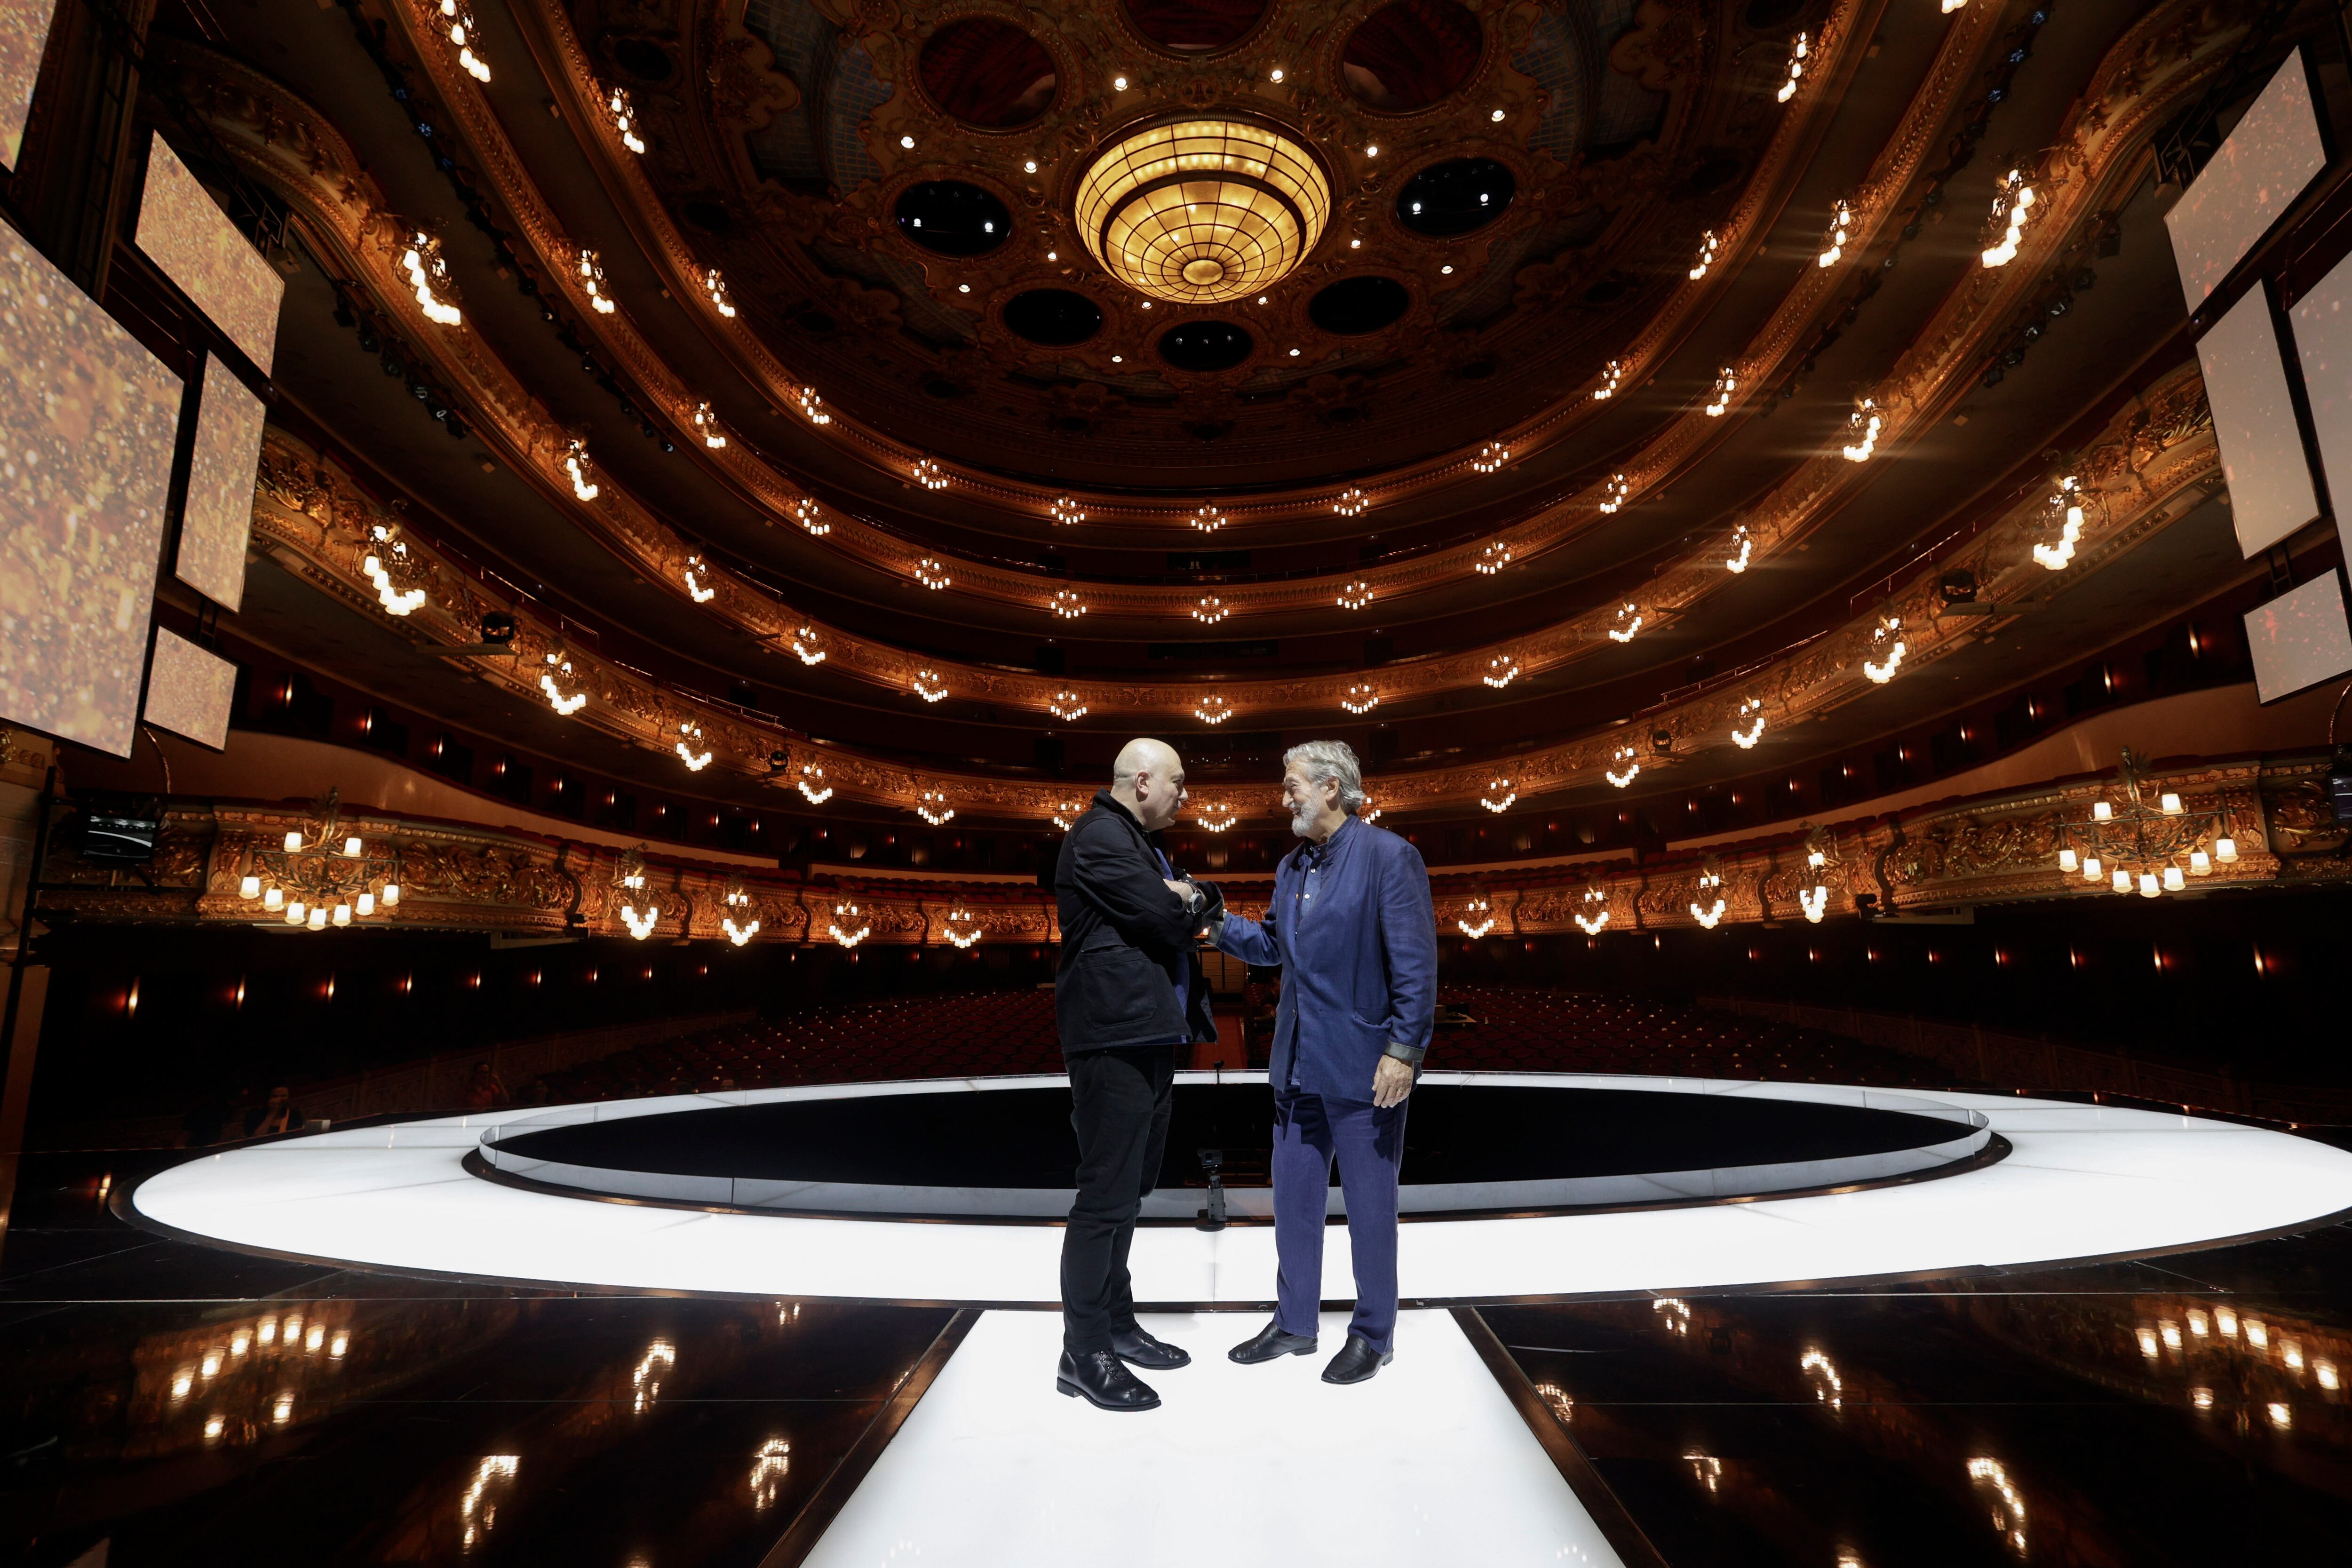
(1194, 27)
(1057, 318)
(1202, 211)
(1456, 197)
(1205, 346)
(987, 72)
(948, 217)
(1357, 305)
(1409, 55)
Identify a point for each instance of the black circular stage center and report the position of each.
(1010, 1152)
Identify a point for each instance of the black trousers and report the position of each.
(1118, 1107)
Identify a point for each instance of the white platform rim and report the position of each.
(393, 1199)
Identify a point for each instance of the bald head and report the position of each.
(1149, 780)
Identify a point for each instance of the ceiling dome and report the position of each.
(1202, 211)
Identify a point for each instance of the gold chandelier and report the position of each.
(1202, 211)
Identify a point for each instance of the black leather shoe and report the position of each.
(1105, 1382)
(1271, 1341)
(1357, 1361)
(1138, 1348)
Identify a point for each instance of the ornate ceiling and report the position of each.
(1528, 290)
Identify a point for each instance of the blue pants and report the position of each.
(1307, 1131)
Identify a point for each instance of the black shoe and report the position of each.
(1138, 1348)
(1357, 1361)
(1271, 1342)
(1105, 1382)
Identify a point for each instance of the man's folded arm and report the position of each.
(1127, 891)
(1409, 937)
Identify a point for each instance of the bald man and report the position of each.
(1128, 993)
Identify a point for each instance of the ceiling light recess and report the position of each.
(1202, 211)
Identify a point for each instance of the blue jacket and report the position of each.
(1359, 963)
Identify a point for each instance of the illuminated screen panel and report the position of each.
(2322, 321)
(24, 34)
(2267, 160)
(184, 231)
(2299, 638)
(218, 516)
(2254, 423)
(189, 690)
(87, 425)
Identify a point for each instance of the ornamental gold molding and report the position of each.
(564, 63)
(2154, 464)
(284, 142)
(1997, 847)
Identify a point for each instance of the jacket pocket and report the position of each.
(1112, 988)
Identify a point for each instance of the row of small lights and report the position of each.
(2014, 203)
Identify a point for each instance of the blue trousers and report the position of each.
(1309, 1131)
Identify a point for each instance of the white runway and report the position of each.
(1427, 1464)
(2084, 1181)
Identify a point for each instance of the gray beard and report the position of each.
(1302, 821)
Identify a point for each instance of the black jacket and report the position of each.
(1126, 940)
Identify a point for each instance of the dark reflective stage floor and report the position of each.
(1909, 1427)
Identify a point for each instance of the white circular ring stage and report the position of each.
(2081, 1182)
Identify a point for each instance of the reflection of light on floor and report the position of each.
(2281, 1415)
(1706, 1468)
(659, 1357)
(2227, 1321)
(1827, 1384)
(2258, 1334)
(769, 1468)
(978, 1476)
(475, 1511)
(2171, 1334)
(1677, 1313)
(2009, 1511)
(787, 1315)
(1554, 1395)
(2202, 1397)
(1849, 1558)
(2148, 1343)
(2198, 1323)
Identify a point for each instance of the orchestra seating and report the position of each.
(1488, 1028)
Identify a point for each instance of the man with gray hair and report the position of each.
(1351, 926)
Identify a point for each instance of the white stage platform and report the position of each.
(2084, 1180)
(1427, 1465)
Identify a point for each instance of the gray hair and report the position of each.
(1324, 761)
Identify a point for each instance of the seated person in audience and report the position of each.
(275, 1115)
(485, 1090)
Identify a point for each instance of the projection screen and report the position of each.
(190, 690)
(2254, 424)
(217, 517)
(88, 418)
(2322, 322)
(24, 34)
(184, 231)
(2268, 157)
(2299, 638)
